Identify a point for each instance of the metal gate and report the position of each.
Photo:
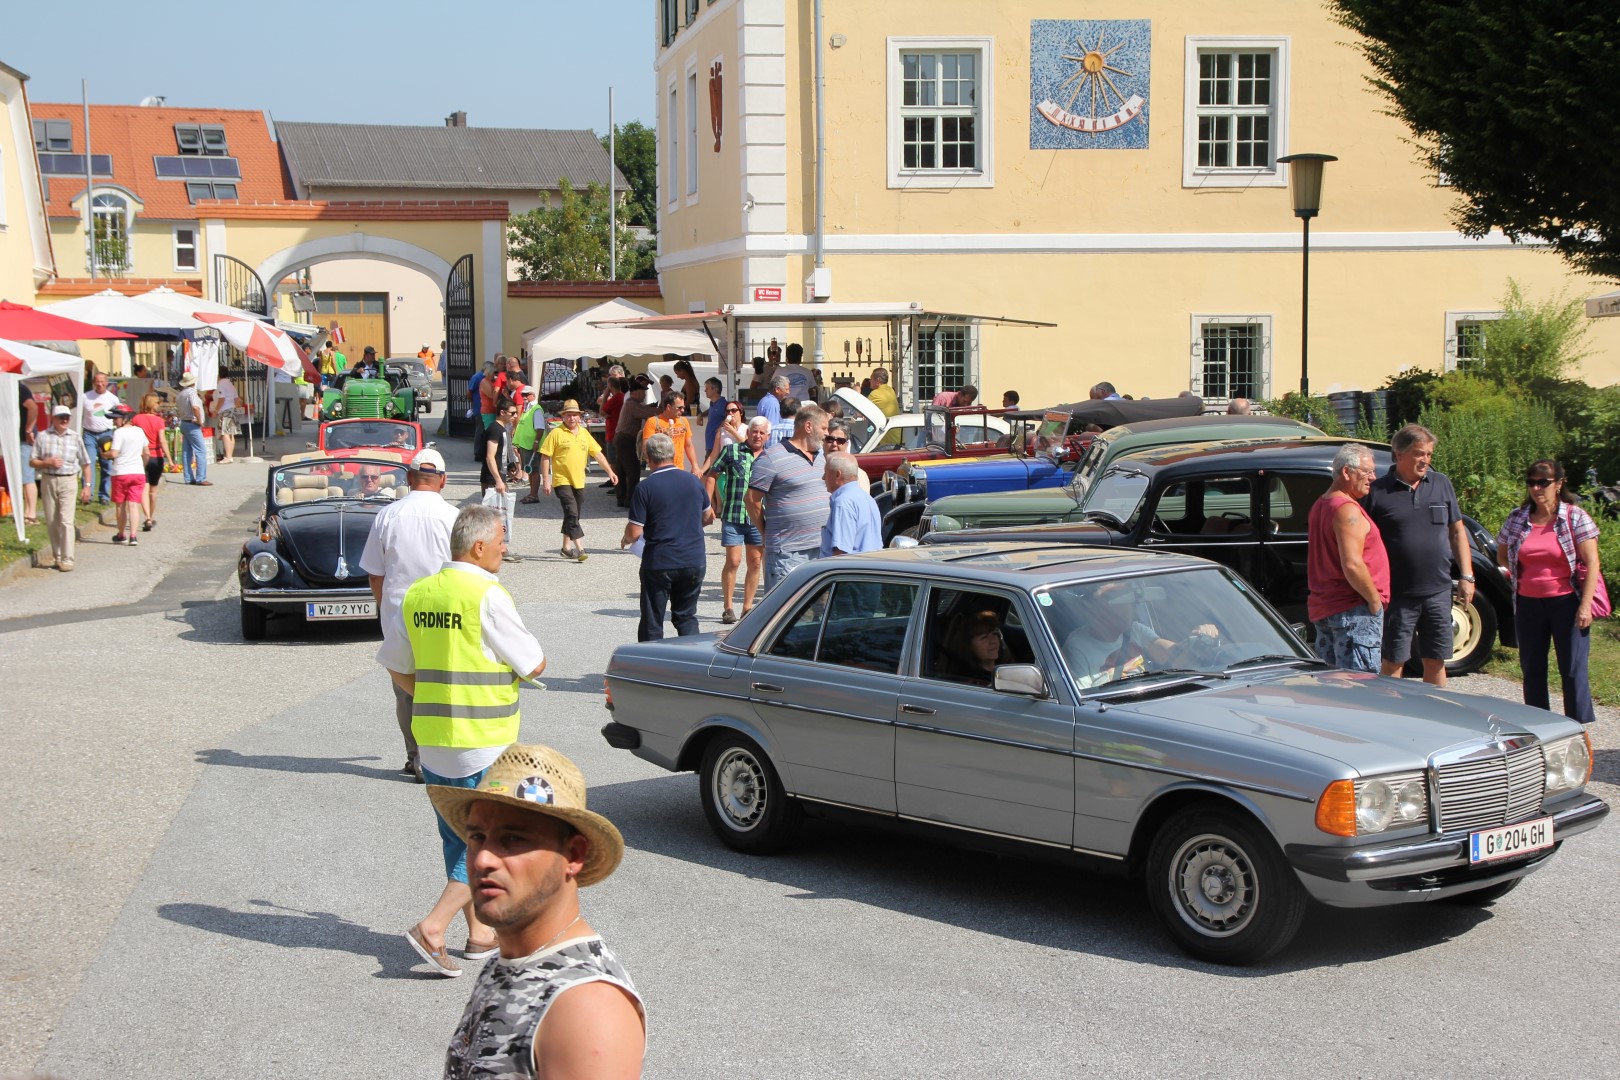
(460, 345)
(237, 284)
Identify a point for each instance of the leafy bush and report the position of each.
(1409, 393)
(1313, 410)
(1484, 443)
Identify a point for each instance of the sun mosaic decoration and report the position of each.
(1089, 84)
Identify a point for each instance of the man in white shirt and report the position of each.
(97, 402)
(409, 540)
(125, 460)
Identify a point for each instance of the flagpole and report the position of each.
(613, 201)
(89, 185)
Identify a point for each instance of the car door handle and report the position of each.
(918, 710)
(767, 688)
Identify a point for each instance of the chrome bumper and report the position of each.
(285, 597)
(1424, 868)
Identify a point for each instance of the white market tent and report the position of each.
(36, 362)
(120, 312)
(167, 298)
(575, 336)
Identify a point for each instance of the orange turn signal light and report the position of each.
(1336, 809)
(607, 691)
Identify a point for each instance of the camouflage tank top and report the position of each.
(495, 1039)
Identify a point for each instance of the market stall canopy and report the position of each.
(595, 333)
(167, 298)
(812, 313)
(19, 361)
(19, 322)
(1606, 306)
(114, 309)
(19, 358)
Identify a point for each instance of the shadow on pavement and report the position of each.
(1046, 904)
(219, 622)
(292, 928)
(308, 765)
(1606, 766)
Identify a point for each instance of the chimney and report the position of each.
(456, 119)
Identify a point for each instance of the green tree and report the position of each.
(1514, 103)
(636, 154)
(566, 239)
(1534, 342)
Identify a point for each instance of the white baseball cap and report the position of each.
(428, 461)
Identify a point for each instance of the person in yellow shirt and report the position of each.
(563, 456)
(883, 396)
(671, 421)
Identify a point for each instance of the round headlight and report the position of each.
(263, 567)
(1375, 803)
(1567, 765)
(1411, 802)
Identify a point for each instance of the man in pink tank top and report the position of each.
(1347, 567)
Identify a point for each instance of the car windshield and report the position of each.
(1203, 620)
(1119, 495)
(1089, 463)
(317, 480)
(359, 433)
(861, 430)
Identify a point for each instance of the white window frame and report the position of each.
(691, 122)
(672, 146)
(128, 235)
(1453, 320)
(970, 361)
(178, 247)
(984, 121)
(1195, 377)
(1276, 175)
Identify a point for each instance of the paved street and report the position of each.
(211, 861)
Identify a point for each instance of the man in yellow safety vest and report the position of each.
(469, 649)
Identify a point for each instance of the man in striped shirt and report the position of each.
(59, 458)
(787, 498)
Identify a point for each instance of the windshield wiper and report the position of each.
(1275, 658)
(1138, 681)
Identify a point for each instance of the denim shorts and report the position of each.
(733, 535)
(779, 563)
(1351, 639)
(455, 848)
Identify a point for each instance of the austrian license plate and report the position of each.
(347, 609)
(1510, 840)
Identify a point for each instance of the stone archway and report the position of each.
(353, 245)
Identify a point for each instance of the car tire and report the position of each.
(743, 797)
(254, 618)
(1486, 896)
(1222, 888)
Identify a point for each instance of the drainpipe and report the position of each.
(821, 170)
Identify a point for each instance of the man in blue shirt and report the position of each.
(668, 512)
(853, 522)
(782, 430)
(770, 406)
(715, 417)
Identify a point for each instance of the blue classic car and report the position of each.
(304, 560)
(1141, 712)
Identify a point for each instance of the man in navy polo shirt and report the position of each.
(1416, 511)
(668, 512)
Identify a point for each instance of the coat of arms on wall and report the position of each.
(1089, 84)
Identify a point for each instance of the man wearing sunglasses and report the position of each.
(1415, 508)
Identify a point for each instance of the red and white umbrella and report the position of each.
(17, 358)
(269, 345)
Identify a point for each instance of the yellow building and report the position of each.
(1116, 176)
(26, 260)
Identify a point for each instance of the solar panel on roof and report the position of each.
(176, 167)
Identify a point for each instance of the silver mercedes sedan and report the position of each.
(1143, 712)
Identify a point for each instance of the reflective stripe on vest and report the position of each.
(463, 699)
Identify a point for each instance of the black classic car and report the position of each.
(1244, 505)
(305, 558)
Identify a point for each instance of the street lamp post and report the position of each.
(1305, 179)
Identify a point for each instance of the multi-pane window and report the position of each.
(939, 111)
(1236, 109)
(110, 218)
(670, 19)
(1233, 361)
(1466, 337)
(55, 136)
(944, 361)
(674, 163)
(204, 139)
(1470, 343)
(185, 248)
(196, 190)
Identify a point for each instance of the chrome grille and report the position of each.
(1487, 791)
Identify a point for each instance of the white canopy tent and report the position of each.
(114, 309)
(165, 297)
(575, 336)
(36, 362)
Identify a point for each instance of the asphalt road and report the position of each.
(210, 861)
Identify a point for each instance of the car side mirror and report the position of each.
(1025, 679)
(903, 542)
(1299, 629)
(310, 446)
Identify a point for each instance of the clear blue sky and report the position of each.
(519, 63)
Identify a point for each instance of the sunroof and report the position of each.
(175, 167)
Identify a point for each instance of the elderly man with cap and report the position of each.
(409, 540)
(193, 450)
(468, 650)
(563, 456)
(557, 1002)
(59, 459)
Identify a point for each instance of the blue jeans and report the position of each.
(92, 452)
(779, 563)
(193, 453)
(1351, 639)
(455, 848)
(1543, 620)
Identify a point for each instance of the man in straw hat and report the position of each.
(468, 650)
(409, 540)
(556, 1002)
(563, 455)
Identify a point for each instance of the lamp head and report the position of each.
(1305, 179)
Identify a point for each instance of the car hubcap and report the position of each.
(1214, 885)
(1465, 629)
(739, 789)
